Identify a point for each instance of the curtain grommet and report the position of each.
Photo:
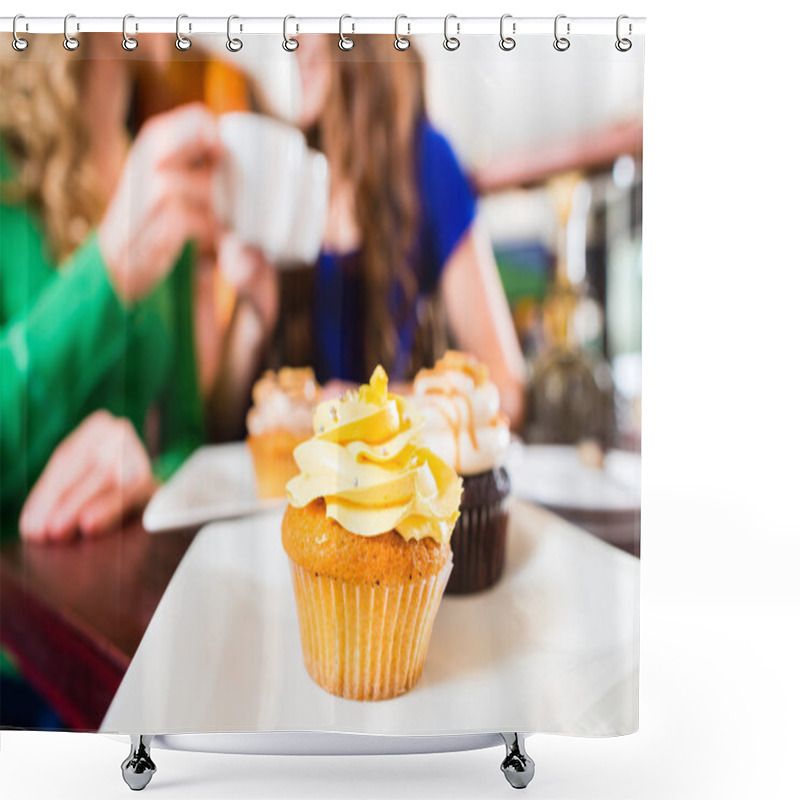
(290, 44)
(129, 43)
(71, 43)
(182, 42)
(18, 43)
(233, 44)
(401, 43)
(451, 43)
(345, 42)
(623, 44)
(507, 43)
(561, 43)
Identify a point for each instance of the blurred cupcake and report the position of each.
(367, 532)
(281, 418)
(464, 426)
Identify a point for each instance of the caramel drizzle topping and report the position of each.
(455, 424)
(454, 361)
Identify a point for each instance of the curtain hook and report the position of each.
(128, 42)
(507, 42)
(181, 41)
(233, 45)
(345, 42)
(401, 42)
(451, 42)
(623, 45)
(18, 43)
(70, 42)
(561, 43)
(290, 44)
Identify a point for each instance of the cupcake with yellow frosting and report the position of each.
(279, 419)
(463, 424)
(367, 532)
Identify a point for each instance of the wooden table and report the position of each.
(73, 615)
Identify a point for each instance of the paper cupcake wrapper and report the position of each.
(366, 641)
(479, 548)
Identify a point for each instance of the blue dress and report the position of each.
(447, 209)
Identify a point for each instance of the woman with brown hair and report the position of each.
(401, 243)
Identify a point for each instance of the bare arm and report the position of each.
(480, 320)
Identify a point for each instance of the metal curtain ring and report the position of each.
(18, 43)
(234, 45)
(561, 43)
(401, 42)
(345, 42)
(290, 44)
(70, 42)
(128, 42)
(507, 42)
(623, 44)
(181, 41)
(451, 42)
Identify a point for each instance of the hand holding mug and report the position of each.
(164, 199)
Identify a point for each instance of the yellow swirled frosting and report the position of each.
(366, 462)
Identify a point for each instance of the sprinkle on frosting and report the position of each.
(372, 471)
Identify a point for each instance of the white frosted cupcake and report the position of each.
(280, 418)
(464, 426)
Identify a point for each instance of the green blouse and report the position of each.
(70, 347)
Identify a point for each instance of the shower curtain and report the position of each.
(321, 381)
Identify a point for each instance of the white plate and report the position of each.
(553, 647)
(554, 476)
(216, 482)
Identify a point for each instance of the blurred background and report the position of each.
(553, 148)
(558, 168)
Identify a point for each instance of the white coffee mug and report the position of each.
(308, 227)
(272, 191)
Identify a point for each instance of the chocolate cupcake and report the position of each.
(464, 426)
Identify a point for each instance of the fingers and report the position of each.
(63, 522)
(236, 261)
(93, 479)
(250, 272)
(169, 173)
(109, 508)
(185, 222)
(152, 255)
(67, 467)
(193, 186)
(183, 137)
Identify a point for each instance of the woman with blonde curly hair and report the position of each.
(96, 344)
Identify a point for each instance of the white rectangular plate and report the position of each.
(216, 482)
(555, 476)
(552, 648)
